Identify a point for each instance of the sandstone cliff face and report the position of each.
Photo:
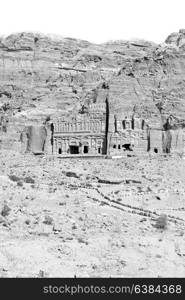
(42, 75)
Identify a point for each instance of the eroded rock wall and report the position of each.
(43, 76)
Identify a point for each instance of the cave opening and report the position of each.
(86, 149)
(127, 147)
(74, 150)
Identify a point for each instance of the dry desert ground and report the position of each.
(92, 217)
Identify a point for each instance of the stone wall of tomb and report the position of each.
(89, 131)
(127, 130)
(10, 137)
(86, 132)
(97, 107)
(48, 148)
(173, 141)
(85, 124)
(155, 140)
(137, 139)
(177, 145)
(121, 124)
(92, 144)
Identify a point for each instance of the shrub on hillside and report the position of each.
(161, 222)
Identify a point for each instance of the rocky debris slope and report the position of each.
(89, 218)
(45, 75)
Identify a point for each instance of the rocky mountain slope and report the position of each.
(45, 75)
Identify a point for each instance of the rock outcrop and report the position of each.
(34, 139)
(42, 75)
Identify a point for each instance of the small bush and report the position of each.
(5, 210)
(71, 174)
(48, 220)
(82, 241)
(29, 180)
(41, 274)
(14, 178)
(161, 222)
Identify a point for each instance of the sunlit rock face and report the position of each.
(45, 75)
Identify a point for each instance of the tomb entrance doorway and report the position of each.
(74, 149)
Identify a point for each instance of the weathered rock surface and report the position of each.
(41, 75)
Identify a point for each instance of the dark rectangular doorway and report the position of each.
(86, 149)
(74, 149)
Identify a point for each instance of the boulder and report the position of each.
(35, 138)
